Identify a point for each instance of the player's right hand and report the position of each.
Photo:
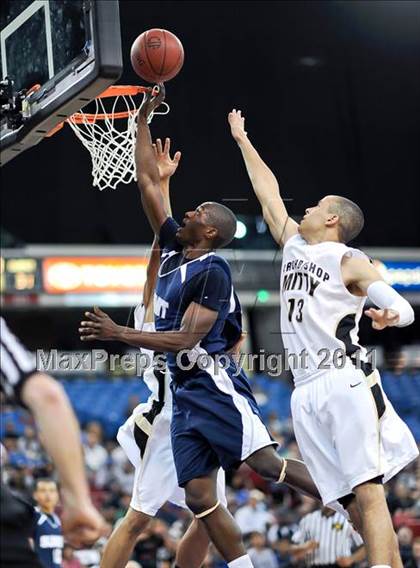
(237, 124)
(152, 100)
(167, 166)
(98, 326)
(82, 524)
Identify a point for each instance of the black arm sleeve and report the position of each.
(167, 234)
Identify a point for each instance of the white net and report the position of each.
(111, 139)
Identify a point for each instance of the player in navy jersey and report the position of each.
(216, 421)
(48, 538)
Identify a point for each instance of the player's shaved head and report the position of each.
(222, 219)
(351, 218)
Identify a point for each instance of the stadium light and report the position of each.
(241, 230)
(263, 296)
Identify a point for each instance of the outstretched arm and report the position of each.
(148, 179)
(167, 166)
(362, 279)
(196, 323)
(265, 185)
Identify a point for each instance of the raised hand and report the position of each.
(237, 124)
(153, 99)
(99, 326)
(382, 318)
(167, 166)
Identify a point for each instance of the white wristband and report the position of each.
(384, 296)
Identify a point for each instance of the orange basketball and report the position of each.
(157, 55)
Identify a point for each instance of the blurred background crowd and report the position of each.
(268, 514)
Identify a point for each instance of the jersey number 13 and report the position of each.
(295, 309)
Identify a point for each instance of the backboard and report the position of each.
(69, 49)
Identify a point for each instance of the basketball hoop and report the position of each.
(111, 148)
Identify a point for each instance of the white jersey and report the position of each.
(149, 376)
(319, 316)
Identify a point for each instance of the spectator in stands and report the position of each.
(400, 498)
(414, 561)
(118, 456)
(16, 457)
(254, 517)
(405, 541)
(124, 476)
(29, 444)
(10, 431)
(260, 554)
(280, 534)
(96, 456)
(154, 545)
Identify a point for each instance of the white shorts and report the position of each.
(348, 433)
(155, 480)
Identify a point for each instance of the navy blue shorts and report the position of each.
(216, 422)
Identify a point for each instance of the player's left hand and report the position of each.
(167, 166)
(382, 318)
(100, 326)
(344, 561)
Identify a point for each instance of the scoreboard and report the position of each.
(20, 275)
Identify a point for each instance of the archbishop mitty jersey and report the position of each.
(319, 316)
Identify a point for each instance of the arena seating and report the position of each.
(106, 399)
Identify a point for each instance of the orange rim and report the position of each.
(80, 118)
(33, 89)
(112, 91)
(118, 90)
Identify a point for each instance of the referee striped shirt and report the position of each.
(334, 534)
(16, 363)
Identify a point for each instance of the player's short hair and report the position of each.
(351, 216)
(224, 220)
(39, 480)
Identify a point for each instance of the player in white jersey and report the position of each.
(350, 437)
(145, 436)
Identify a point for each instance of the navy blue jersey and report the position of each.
(48, 539)
(205, 280)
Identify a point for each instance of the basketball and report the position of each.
(157, 55)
